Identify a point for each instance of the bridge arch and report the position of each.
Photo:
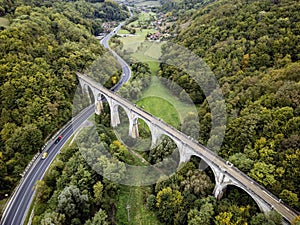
(165, 148)
(203, 165)
(120, 122)
(261, 204)
(99, 99)
(218, 166)
(88, 91)
(144, 129)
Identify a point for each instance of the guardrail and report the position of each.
(36, 156)
(53, 138)
(30, 164)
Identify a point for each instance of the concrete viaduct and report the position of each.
(225, 173)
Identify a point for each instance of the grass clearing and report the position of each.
(157, 89)
(131, 200)
(154, 49)
(4, 22)
(144, 19)
(131, 207)
(122, 31)
(156, 99)
(149, 4)
(162, 108)
(146, 16)
(149, 53)
(154, 67)
(131, 43)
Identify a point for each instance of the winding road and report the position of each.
(17, 208)
(19, 204)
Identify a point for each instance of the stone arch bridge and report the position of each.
(225, 173)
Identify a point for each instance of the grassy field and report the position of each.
(131, 208)
(122, 31)
(144, 18)
(149, 3)
(154, 67)
(156, 99)
(149, 53)
(158, 90)
(4, 22)
(142, 50)
(162, 108)
(131, 43)
(131, 204)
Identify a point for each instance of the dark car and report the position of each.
(58, 139)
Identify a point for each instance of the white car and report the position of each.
(45, 154)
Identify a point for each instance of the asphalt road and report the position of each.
(126, 72)
(17, 208)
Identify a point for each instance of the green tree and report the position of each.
(263, 173)
(111, 169)
(241, 161)
(289, 197)
(98, 192)
(98, 219)
(204, 216)
(168, 203)
(25, 140)
(73, 204)
(53, 218)
(197, 182)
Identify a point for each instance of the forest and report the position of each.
(252, 47)
(41, 49)
(72, 192)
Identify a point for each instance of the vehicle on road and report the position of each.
(45, 154)
(58, 139)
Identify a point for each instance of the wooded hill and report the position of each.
(253, 48)
(44, 45)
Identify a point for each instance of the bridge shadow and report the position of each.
(237, 196)
(140, 143)
(164, 148)
(82, 99)
(232, 195)
(203, 167)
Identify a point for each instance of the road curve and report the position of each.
(18, 205)
(126, 72)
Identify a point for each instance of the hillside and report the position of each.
(42, 47)
(253, 49)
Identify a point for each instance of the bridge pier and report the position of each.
(114, 113)
(219, 186)
(222, 181)
(133, 128)
(85, 90)
(114, 117)
(98, 107)
(186, 149)
(155, 134)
